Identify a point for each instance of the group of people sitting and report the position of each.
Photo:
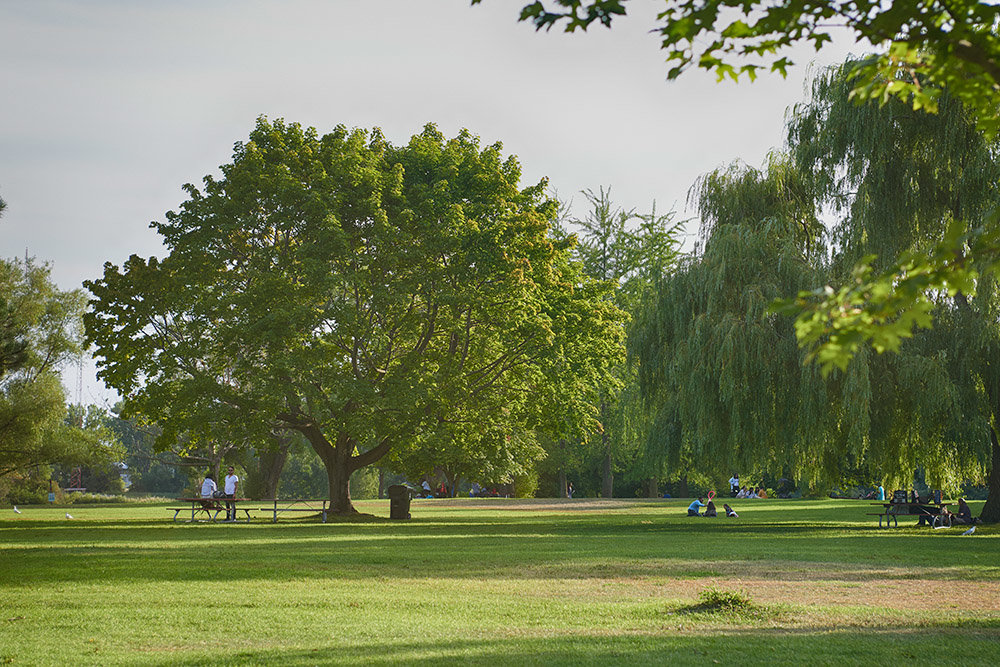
(710, 511)
(960, 518)
(738, 491)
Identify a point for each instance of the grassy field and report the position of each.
(500, 581)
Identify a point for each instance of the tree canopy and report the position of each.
(720, 369)
(363, 294)
(40, 332)
(922, 48)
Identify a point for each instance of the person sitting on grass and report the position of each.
(964, 515)
(730, 512)
(710, 510)
(694, 507)
(761, 492)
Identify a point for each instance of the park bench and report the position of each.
(899, 506)
(279, 505)
(215, 505)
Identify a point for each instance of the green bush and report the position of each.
(715, 599)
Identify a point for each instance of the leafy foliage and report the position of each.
(365, 295)
(41, 332)
(926, 48)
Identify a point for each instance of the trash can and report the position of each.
(399, 502)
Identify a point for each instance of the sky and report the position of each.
(107, 107)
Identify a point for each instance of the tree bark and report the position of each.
(991, 510)
(608, 476)
(682, 489)
(651, 488)
(272, 462)
(338, 458)
(563, 491)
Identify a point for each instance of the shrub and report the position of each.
(714, 599)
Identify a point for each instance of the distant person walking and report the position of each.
(232, 483)
(569, 490)
(880, 493)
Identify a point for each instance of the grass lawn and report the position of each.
(498, 581)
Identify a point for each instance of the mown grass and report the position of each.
(795, 582)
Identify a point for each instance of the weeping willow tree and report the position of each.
(723, 379)
(900, 181)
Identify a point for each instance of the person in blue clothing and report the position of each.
(880, 493)
(694, 507)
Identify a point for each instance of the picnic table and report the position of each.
(210, 506)
(891, 511)
(278, 505)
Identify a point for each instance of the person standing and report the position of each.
(232, 483)
(569, 490)
(880, 493)
(734, 484)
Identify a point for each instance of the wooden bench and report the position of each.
(279, 505)
(216, 505)
(891, 511)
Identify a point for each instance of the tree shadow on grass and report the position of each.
(151, 550)
(818, 645)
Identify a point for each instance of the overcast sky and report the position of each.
(107, 107)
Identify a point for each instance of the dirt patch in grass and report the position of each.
(911, 594)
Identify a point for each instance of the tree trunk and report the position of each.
(682, 488)
(381, 483)
(651, 488)
(607, 476)
(272, 462)
(563, 491)
(338, 475)
(991, 510)
(338, 458)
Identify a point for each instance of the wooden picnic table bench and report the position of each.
(210, 506)
(278, 505)
(892, 511)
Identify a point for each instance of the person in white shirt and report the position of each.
(232, 482)
(208, 489)
(734, 484)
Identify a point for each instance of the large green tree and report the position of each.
(360, 293)
(626, 251)
(40, 332)
(899, 182)
(723, 381)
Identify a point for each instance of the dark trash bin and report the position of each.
(399, 502)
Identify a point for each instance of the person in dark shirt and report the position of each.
(964, 515)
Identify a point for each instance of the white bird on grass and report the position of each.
(68, 515)
(970, 531)
(16, 511)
